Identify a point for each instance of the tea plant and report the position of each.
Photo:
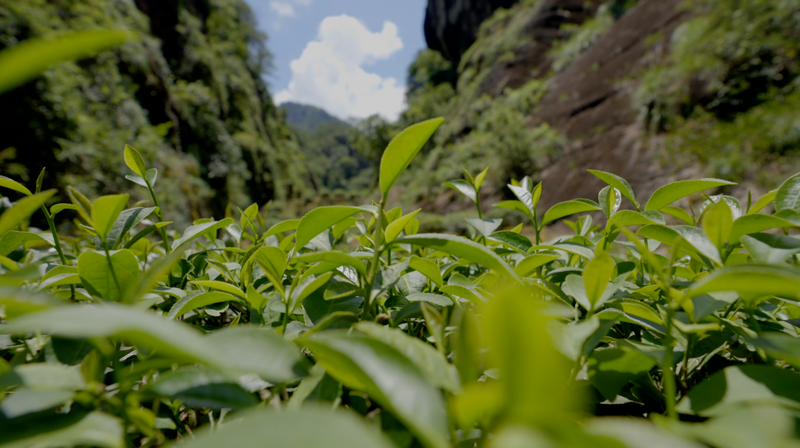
(347, 327)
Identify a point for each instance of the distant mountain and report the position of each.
(307, 118)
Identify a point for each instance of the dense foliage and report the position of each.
(348, 328)
(728, 92)
(188, 91)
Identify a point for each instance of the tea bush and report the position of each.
(347, 328)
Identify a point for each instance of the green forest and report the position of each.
(184, 263)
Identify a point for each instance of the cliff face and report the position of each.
(581, 97)
(651, 90)
(451, 26)
(189, 95)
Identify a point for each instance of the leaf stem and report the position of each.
(162, 230)
(668, 375)
(377, 242)
(111, 268)
(57, 243)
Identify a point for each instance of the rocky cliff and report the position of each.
(451, 26)
(652, 90)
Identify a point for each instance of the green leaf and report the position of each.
(306, 288)
(144, 232)
(670, 193)
(515, 205)
(57, 208)
(436, 299)
(610, 370)
(679, 213)
(81, 202)
(22, 210)
(197, 299)
(463, 248)
(514, 240)
(272, 261)
(749, 224)
(14, 239)
(788, 195)
(340, 258)
(331, 429)
(105, 211)
(519, 345)
(463, 187)
(429, 361)
(388, 376)
(24, 402)
(485, 227)
(125, 222)
(750, 280)
(619, 183)
(228, 350)
(741, 385)
(28, 59)
(96, 429)
(319, 219)
(134, 161)
(221, 286)
(387, 277)
(198, 230)
(596, 276)
(201, 387)
(624, 218)
(688, 238)
(609, 199)
(401, 151)
(718, 223)
(283, 226)
(525, 198)
(395, 227)
(770, 249)
(762, 202)
(11, 184)
(427, 268)
(528, 265)
(479, 179)
(18, 302)
(567, 208)
(98, 277)
(232, 350)
(147, 281)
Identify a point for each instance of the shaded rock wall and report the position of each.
(451, 26)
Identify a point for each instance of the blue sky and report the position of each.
(349, 57)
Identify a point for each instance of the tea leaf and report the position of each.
(134, 161)
(105, 211)
(670, 193)
(341, 429)
(567, 208)
(108, 282)
(463, 187)
(395, 227)
(388, 376)
(197, 300)
(22, 210)
(14, 185)
(28, 59)
(619, 183)
(463, 248)
(319, 219)
(401, 151)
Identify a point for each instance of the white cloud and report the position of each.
(303, 2)
(330, 74)
(283, 9)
